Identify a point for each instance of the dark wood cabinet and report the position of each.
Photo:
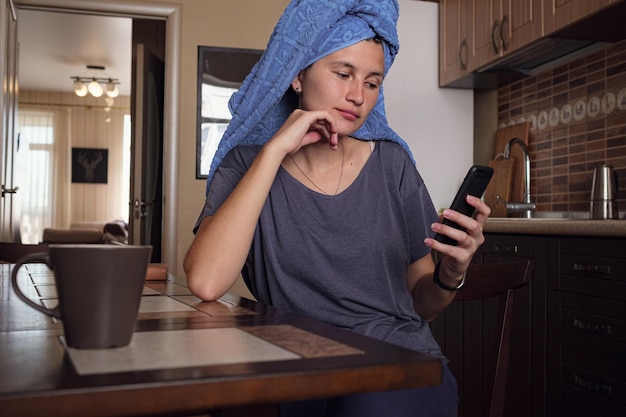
(569, 341)
(586, 341)
(466, 334)
(474, 34)
(559, 13)
(499, 28)
(454, 36)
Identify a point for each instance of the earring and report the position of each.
(297, 90)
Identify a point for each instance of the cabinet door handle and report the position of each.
(592, 386)
(462, 48)
(505, 248)
(594, 327)
(493, 36)
(505, 20)
(602, 268)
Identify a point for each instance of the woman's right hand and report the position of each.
(304, 128)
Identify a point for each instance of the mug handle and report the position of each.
(29, 259)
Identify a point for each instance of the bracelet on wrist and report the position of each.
(444, 286)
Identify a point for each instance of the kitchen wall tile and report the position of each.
(578, 118)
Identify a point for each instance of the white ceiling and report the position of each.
(55, 46)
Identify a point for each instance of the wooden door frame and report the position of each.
(173, 15)
(8, 105)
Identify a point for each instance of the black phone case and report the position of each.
(475, 183)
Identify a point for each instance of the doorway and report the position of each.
(147, 144)
(65, 129)
(172, 15)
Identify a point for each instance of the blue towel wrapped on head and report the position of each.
(307, 31)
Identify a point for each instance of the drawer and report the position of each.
(589, 385)
(593, 305)
(593, 390)
(589, 362)
(592, 344)
(593, 316)
(557, 407)
(591, 286)
(507, 246)
(592, 246)
(588, 324)
(592, 325)
(594, 267)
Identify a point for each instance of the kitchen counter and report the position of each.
(556, 226)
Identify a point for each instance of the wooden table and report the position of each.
(39, 376)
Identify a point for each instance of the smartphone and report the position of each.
(475, 183)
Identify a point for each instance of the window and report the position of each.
(220, 73)
(214, 120)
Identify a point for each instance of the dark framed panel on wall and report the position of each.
(90, 165)
(220, 73)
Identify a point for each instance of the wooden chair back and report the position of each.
(497, 280)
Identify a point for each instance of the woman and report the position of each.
(324, 212)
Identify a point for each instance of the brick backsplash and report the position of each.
(577, 114)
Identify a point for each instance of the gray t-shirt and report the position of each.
(340, 259)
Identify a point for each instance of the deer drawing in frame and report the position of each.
(88, 165)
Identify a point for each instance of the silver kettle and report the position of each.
(603, 193)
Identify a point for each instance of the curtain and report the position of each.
(43, 170)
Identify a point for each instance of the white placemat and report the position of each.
(178, 349)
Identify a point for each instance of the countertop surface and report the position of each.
(556, 226)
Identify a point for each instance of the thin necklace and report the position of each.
(343, 154)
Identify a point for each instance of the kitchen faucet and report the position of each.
(527, 206)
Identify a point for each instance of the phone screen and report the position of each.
(475, 183)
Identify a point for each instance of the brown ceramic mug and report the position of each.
(99, 289)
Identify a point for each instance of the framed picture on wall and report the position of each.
(220, 73)
(90, 165)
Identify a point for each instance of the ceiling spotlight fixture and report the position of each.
(95, 89)
(80, 89)
(97, 84)
(111, 89)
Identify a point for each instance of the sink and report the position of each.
(548, 215)
(564, 215)
(553, 216)
(524, 219)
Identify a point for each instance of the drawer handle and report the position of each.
(604, 269)
(593, 386)
(505, 248)
(594, 327)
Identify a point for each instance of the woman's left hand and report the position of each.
(456, 259)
